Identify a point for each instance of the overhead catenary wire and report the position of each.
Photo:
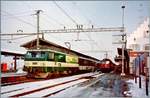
(15, 17)
(65, 13)
(30, 9)
(89, 21)
(54, 20)
(81, 13)
(21, 14)
(18, 37)
(47, 16)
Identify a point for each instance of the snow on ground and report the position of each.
(20, 71)
(101, 89)
(107, 86)
(53, 89)
(24, 87)
(12, 74)
(137, 92)
(83, 92)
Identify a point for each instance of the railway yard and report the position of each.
(83, 85)
(75, 49)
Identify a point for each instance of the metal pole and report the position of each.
(38, 27)
(135, 72)
(123, 41)
(15, 63)
(122, 61)
(140, 86)
(146, 82)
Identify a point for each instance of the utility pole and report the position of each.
(147, 76)
(38, 27)
(124, 42)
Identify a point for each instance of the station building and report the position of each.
(139, 43)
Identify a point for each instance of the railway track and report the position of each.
(45, 88)
(9, 79)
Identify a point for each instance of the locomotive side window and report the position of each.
(60, 57)
(35, 55)
(51, 56)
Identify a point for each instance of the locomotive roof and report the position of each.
(45, 44)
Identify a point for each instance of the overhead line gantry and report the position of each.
(111, 29)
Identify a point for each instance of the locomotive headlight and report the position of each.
(43, 64)
(107, 62)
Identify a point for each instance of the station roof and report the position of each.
(11, 53)
(126, 52)
(44, 44)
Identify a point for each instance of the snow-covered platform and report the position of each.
(14, 74)
(137, 92)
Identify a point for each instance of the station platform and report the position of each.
(13, 74)
(18, 73)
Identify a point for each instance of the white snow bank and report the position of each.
(20, 71)
(137, 92)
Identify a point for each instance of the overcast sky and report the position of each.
(18, 15)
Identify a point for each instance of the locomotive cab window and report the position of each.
(35, 55)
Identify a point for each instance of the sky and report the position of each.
(19, 15)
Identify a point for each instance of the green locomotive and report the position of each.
(42, 63)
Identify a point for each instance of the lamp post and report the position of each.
(147, 83)
(123, 45)
(38, 27)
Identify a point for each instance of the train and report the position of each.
(106, 65)
(43, 63)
